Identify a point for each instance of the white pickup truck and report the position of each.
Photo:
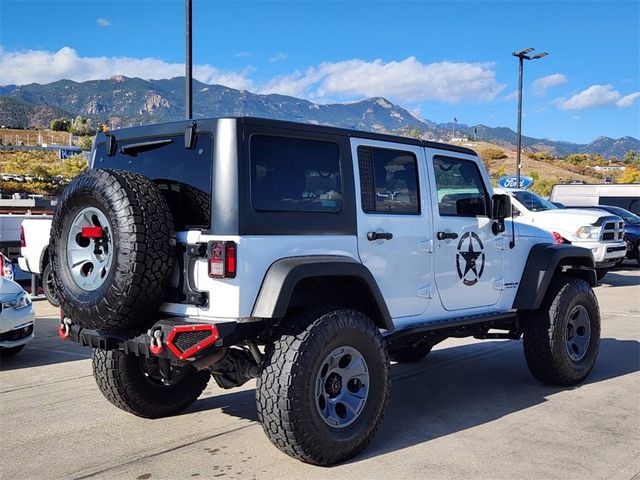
(34, 253)
(600, 232)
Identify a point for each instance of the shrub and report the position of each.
(491, 153)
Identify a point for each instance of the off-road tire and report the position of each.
(10, 351)
(48, 285)
(123, 382)
(286, 385)
(143, 250)
(545, 333)
(410, 355)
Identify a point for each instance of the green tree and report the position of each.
(631, 175)
(543, 156)
(82, 126)
(414, 133)
(543, 187)
(631, 157)
(577, 159)
(60, 125)
(73, 166)
(535, 176)
(85, 143)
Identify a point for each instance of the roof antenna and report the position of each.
(188, 62)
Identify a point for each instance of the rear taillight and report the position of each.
(23, 242)
(557, 238)
(223, 260)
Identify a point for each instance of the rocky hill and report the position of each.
(123, 101)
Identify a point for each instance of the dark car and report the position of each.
(631, 227)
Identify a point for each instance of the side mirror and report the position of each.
(500, 209)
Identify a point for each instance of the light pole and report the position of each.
(188, 100)
(522, 56)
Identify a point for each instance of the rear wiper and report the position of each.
(136, 148)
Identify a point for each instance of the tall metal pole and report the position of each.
(188, 63)
(519, 139)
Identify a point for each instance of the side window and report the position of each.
(461, 191)
(295, 175)
(389, 181)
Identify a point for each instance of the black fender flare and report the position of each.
(542, 264)
(283, 275)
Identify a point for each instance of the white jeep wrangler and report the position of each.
(306, 257)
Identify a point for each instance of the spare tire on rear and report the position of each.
(112, 250)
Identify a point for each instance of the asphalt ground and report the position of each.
(470, 410)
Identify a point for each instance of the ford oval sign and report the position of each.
(509, 181)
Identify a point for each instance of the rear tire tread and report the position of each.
(274, 394)
(120, 384)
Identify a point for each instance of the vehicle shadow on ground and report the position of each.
(614, 279)
(46, 349)
(455, 389)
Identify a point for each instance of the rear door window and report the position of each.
(389, 181)
(295, 175)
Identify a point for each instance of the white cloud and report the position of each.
(598, 96)
(628, 100)
(40, 66)
(241, 54)
(103, 22)
(407, 80)
(278, 57)
(512, 96)
(542, 84)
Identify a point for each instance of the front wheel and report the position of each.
(324, 386)
(134, 384)
(562, 337)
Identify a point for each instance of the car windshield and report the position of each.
(626, 215)
(533, 202)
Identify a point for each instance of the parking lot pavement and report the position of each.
(471, 410)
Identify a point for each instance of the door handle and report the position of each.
(446, 235)
(371, 236)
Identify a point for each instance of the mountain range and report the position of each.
(121, 101)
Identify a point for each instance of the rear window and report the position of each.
(183, 176)
(295, 175)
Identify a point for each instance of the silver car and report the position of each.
(16, 318)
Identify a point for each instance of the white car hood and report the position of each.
(8, 289)
(585, 217)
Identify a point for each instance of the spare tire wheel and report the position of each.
(112, 250)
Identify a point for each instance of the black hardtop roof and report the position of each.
(164, 128)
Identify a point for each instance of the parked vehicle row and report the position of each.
(16, 318)
(598, 231)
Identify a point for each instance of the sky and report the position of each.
(439, 60)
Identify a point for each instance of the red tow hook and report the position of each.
(65, 328)
(156, 347)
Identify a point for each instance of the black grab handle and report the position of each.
(371, 236)
(446, 235)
